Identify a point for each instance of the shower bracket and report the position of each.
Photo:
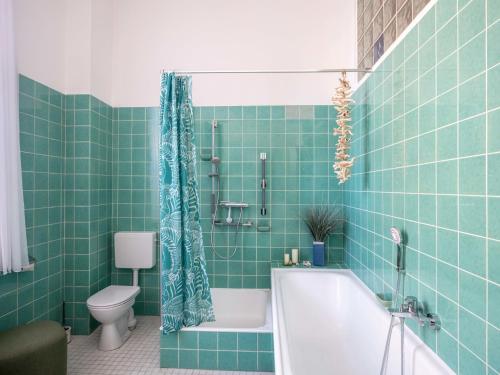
(221, 223)
(230, 205)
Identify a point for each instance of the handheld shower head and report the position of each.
(215, 160)
(396, 235)
(397, 239)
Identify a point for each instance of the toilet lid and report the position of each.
(113, 295)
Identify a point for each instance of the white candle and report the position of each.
(295, 256)
(287, 259)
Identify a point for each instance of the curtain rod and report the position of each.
(365, 70)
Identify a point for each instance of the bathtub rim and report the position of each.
(281, 358)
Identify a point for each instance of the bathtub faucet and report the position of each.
(409, 310)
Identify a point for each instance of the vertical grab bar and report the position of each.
(263, 183)
(215, 173)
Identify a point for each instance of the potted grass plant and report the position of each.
(321, 221)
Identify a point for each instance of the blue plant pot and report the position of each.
(318, 253)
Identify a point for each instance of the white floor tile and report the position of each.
(140, 355)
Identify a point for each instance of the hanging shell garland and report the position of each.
(342, 101)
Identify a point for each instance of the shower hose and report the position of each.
(385, 359)
(212, 230)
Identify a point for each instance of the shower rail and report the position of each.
(266, 71)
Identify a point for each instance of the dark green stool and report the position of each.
(34, 349)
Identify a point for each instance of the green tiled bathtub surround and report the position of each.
(237, 351)
(426, 129)
(34, 295)
(88, 206)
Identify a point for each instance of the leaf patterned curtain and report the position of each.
(185, 292)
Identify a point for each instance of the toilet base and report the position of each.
(111, 339)
(115, 334)
(132, 321)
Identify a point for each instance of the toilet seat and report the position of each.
(113, 296)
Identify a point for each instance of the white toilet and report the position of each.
(112, 306)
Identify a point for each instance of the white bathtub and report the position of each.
(239, 310)
(329, 322)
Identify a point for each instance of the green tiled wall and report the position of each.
(427, 131)
(297, 142)
(299, 173)
(87, 206)
(109, 159)
(34, 295)
(135, 192)
(237, 351)
(66, 163)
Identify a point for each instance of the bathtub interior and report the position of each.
(348, 320)
(239, 309)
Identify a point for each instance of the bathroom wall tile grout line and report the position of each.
(486, 37)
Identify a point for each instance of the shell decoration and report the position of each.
(342, 101)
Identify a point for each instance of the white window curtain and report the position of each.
(13, 246)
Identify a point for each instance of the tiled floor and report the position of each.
(140, 355)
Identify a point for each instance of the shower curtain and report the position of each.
(185, 292)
